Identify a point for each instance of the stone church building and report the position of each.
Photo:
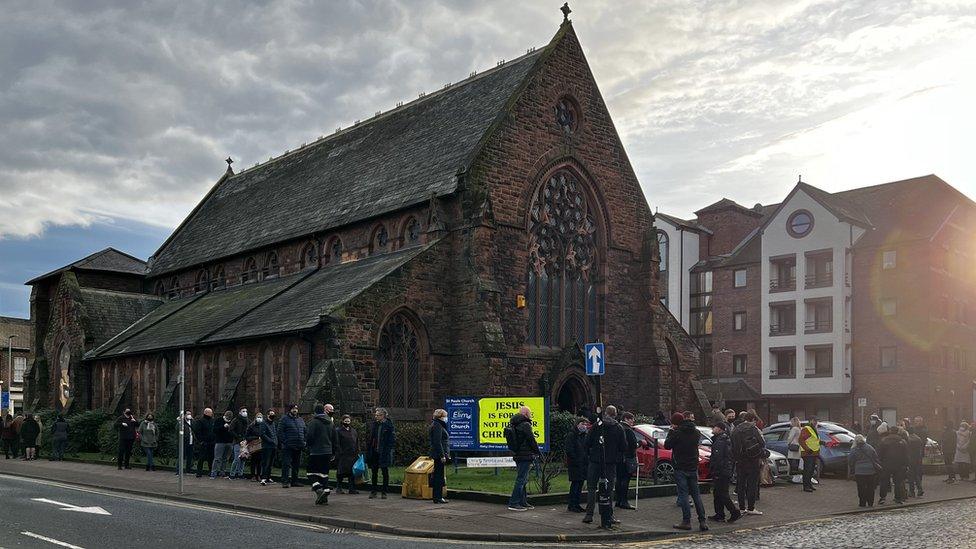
(467, 243)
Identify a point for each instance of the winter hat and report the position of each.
(883, 428)
(723, 426)
(677, 418)
(319, 409)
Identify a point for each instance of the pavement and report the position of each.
(462, 520)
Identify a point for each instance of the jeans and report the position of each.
(687, 483)
(376, 469)
(125, 453)
(237, 467)
(291, 460)
(220, 459)
(747, 486)
(267, 460)
(519, 496)
(809, 462)
(575, 493)
(865, 488)
(720, 497)
(57, 448)
(593, 473)
(896, 476)
(149, 458)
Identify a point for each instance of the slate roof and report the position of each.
(389, 162)
(281, 305)
(107, 260)
(735, 389)
(110, 312)
(19, 327)
(678, 222)
(726, 203)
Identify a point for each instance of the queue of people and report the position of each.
(888, 460)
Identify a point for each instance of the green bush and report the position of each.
(108, 438)
(560, 425)
(412, 440)
(83, 430)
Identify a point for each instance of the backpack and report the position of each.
(753, 447)
(511, 438)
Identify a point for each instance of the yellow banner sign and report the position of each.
(495, 413)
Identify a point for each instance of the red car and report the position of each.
(663, 469)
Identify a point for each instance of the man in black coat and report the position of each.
(629, 466)
(203, 441)
(126, 426)
(748, 449)
(576, 463)
(606, 445)
(683, 440)
(720, 467)
(440, 451)
(893, 455)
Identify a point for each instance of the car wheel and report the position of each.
(664, 472)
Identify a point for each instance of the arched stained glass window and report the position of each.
(202, 281)
(381, 239)
(560, 294)
(271, 267)
(411, 231)
(310, 256)
(64, 378)
(399, 358)
(250, 271)
(335, 250)
(219, 279)
(174, 287)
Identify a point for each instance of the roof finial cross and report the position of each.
(566, 11)
(799, 178)
(229, 161)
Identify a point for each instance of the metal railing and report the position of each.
(782, 284)
(782, 329)
(817, 326)
(819, 280)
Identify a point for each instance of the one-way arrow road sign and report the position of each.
(596, 359)
(69, 507)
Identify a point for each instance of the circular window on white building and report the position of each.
(799, 224)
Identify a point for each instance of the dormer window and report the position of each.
(250, 271)
(271, 267)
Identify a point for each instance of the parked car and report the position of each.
(663, 468)
(835, 444)
(779, 466)
(933, 453)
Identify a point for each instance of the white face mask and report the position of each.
(188, 416)
(244, 413)
(259, 419)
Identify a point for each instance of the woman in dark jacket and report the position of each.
(440, 450)
(253, 433)
(59, 438)
(28, 437)
(379, 450)
(576, 463)
(269, 447)
(347, 454)
(863, 465)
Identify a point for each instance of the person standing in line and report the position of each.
(893, 455)
(148, 439)
(17, 423)
(126, 426)
(347, 454)
(948, 446)
(576, 463)
(962, 461)
(749, 450)
(525, 449)
(730, 417)
(269, 447)
(203, 440)
(379, 451)
(720, 469)
(606, 445)
(29, 432)
(252, 439)
(223, 440)
(629, 465)
(793, 449)
(810, 452)
(863, 465)
(38, 443)
(915, 452)
(440, 451)
(291, 439)
(322, 442)
(873, 436)
(187, 465)
(683, 439)
(238, 430)
(59, 438)
(9, 436)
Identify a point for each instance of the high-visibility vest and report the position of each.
(812, 442)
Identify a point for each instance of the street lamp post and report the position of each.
(718, 378)
(10, 373)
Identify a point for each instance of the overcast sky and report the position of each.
(116, 117)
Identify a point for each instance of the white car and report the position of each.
(779, 466)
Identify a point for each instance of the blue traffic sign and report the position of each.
(596, 359)
(4, 400)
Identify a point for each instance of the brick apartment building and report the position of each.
(15, 349)
(827, 301)
(465, 243)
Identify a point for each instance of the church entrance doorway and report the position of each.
(573, 395)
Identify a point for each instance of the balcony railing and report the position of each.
(817, 326)
(819, 280)
(782, 284)
(782, 329)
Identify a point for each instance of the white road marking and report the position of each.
(69, 507)
(51, 540)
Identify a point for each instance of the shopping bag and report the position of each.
(359, 468)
